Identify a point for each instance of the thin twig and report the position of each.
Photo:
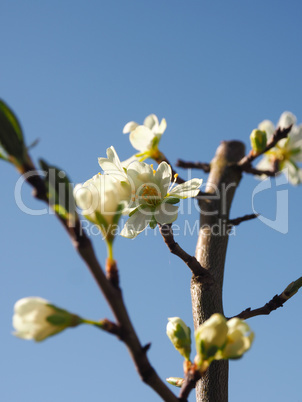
(237, 221)
(276, 302)
(197, 270)
(206, 167)
(279, 134)
(257, 172)
(189, 384)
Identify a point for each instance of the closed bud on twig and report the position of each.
(176, 381)
(211, 336)
(258, 140)
(180, 335)
(293, 288)
(35, 318)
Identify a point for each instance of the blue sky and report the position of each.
(75, 72)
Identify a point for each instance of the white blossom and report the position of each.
(239, 339)
(288, 152)
(102, 199)
(152, 200)
(145, 138)
(35, 318)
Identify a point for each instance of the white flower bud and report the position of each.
(102, 199)
(180, 336)
(35, 318)
(239, 339)
(211, 336)
(176, 381)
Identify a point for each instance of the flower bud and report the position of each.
(258, 140)
(35, 318)
(211, 336)
(176, 381)
(180, 336)
(239, 339)
(102, 200)
(293, 288)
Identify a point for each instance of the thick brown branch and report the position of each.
(206, 167)
(211, 249)
(237, 221)
(197, 270)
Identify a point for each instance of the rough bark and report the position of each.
(210, 252)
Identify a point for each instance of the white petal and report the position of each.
(127, 162)
(141, 138)
(286, 119)
(139, 173)
(137, 223)
(264, 164)
(151, 122)
(162, 127)
(27, 304)
(268, 127)
(166, 213)
(188, 189)
(130, 126)
(112, 165)
(293, 174)
(163, 177)
(295, 137)
(84, 196)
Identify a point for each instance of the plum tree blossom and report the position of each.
(102, 199)
(145, 138)
(152, 200)
(288, 151)
(152, 197)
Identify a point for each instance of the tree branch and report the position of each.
(111, 292)
(167, 233)
(279, 134)
(206, 167)
(189, 383)
(237, 221)
(250, 169)
(211, 249)
(276, 302)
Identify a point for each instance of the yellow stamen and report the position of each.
(150, 195)
(154, 171)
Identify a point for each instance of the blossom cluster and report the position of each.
(287, 153)
(216, 339)
(133, 187)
